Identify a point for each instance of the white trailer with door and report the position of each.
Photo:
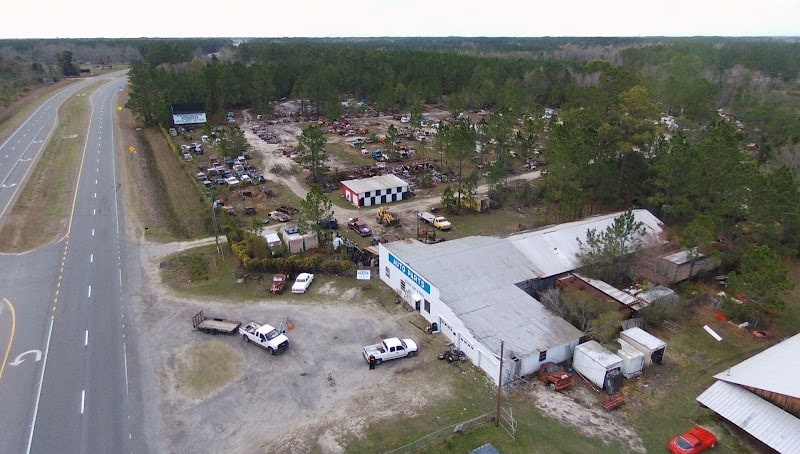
(598, 365)
(632, 359)
(652, 347)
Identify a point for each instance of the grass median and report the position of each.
(42, 210)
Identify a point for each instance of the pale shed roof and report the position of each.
(643, 337)
(272, 238)
(768, 423)
(553, 249)
(775, 369)
(380, 182)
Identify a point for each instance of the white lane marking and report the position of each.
(91, 258)
(95, 195)
(92, 232)
(94, 211)
(39, 391)
(83, 400)
(125, 364)
(86, 338)
(90, 291)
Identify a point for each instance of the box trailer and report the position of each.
(632, 359)
(652, 347)
(274, 242)
(599, 365)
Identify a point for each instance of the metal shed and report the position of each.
(364, 192)
(652, 347)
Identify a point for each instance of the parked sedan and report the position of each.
(302, 282)
(697, 439)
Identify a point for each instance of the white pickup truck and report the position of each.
(264, 336)
(440, 222)
(391, 348)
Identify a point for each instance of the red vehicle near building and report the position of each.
(278, 284)
(697, 439)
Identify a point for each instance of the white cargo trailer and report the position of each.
(652, 347)
(632, 359)
(599, 365)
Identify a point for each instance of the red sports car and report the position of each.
(697, 439)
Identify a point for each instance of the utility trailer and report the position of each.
(214, 325)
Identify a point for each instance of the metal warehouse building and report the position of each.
(364, 192)
(479, 291)
(467, 288)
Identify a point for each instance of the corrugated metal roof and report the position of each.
(654, 294)
(775, 369)
(511, 315)
(618, 295)
(362, 185)
(476, 277)
(682, 257)
(761, 419)
(553, 249)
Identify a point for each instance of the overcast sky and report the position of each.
(373, 18)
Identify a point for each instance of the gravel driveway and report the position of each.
(283, 403)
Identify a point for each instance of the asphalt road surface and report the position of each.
(64, 380)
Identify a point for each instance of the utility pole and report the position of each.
(214, 220)
(499, 387)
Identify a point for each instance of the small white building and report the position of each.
(364, 192)
(298, 242)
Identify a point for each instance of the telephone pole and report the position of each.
(499, 387)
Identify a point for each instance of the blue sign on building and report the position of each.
(405, 269)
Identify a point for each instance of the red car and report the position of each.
(697, 439)
(278, 284)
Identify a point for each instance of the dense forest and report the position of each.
(704, 132)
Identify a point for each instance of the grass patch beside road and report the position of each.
(18, 111)
(43, 208)
(205, 367)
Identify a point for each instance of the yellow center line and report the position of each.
(10, 338)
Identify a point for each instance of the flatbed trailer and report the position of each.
(214, 325)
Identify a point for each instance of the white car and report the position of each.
(302, 282)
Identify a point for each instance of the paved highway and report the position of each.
(65, 382)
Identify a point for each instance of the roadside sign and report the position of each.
(363, 275)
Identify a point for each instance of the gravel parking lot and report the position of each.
(283, 403)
